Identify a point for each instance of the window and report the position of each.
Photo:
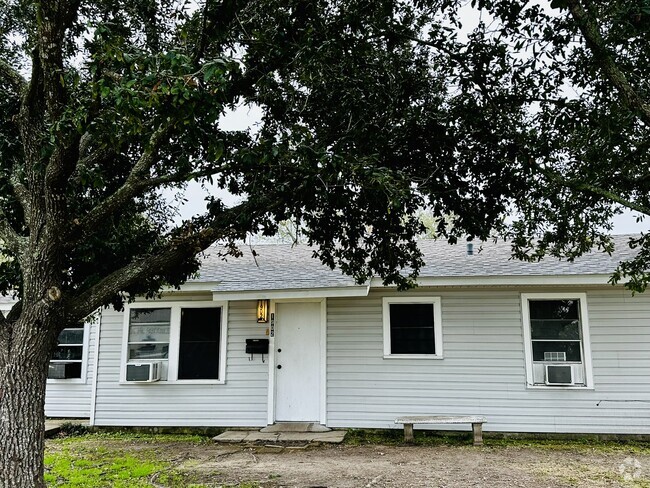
(149, 334)
(557, 340)
(198, 354)
(184, 338)
(412, 327)
(67, 359)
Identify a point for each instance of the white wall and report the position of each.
(483, 370)
(72, 398)
(242, 401)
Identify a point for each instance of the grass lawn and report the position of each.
(120, 460)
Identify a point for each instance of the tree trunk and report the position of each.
(24, 356)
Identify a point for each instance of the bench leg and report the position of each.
(408, 433)
(477, 429)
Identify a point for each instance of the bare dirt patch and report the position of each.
(377, 466)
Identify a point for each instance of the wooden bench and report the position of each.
(477, 424)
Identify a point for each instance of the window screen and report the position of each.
(199, 349)
(412, 328)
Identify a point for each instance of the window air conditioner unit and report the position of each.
(143, 372)
(62, 371)
(557, 375)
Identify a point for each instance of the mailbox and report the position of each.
(257, 346)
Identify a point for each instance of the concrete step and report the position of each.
(235, 436)
(296, 427)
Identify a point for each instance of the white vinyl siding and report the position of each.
(71, 398)
(484, 370)
(241, 401)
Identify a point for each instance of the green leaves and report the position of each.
(559, 4)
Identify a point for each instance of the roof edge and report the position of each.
(506, 280)
(331, 292)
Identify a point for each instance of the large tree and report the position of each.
(105, 103)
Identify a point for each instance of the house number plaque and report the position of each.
(272, 325)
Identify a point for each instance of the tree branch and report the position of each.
(230, 223)
(55, 17)
(131, 187)
(176, 178)
(588, 187)
(589, 29)
(11, 238)
(21, 193)
(94, 158)
(15, 79)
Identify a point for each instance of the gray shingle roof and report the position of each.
(276, 267)
(443, 260)
(283, 267)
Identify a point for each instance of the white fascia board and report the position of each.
(205, 286)
(522, 280)
(346, 291)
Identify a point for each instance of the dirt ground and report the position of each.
(380, 466)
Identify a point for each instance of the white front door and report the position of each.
(297, 362)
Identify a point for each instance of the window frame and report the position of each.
(584, 332)
(174, 340)
(84, 360)
(437, 326)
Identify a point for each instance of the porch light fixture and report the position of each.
(262, 311)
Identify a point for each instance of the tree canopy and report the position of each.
(564, 87)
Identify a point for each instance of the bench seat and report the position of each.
(476, 421)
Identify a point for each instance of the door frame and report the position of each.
(323, 359)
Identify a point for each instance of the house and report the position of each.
(534, 347)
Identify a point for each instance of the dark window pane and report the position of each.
(555, 329)
(559, 374)
(198, 355)
(71, 336)
(68, 352)
(148, 351)
(554, 309)
(411, 328)
(62, 371)
(572, 349)
(150, 315)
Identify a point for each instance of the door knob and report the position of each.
(279, 366)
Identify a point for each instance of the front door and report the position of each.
(297, 362)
